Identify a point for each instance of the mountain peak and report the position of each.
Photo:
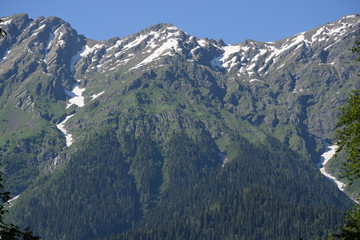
(159, 26)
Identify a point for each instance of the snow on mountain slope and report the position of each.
(255, 57)
(136, 50)
(290, 88)
(54, 48)
(251, 58)
(325, 157)
(61, 127)
(75, 97)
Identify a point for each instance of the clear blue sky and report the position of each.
(232, 20)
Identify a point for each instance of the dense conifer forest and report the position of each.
(116, 183)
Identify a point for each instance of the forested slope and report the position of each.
(164, 135)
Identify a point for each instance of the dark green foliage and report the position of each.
(348, 131)
(348, 138)
(95, 194)
(348, 135)
(146, 169)
(117, 186)
(351, 230)
(9, 231)
(231, 203)
(188, 159)
(23, 165)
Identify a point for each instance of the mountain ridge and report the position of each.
(76, 57)
(172, 112)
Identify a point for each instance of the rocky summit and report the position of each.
(162, 135)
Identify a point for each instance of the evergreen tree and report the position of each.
(348, 135)
(348, 132)
(351, 230)
(348, 138)
(10, 231)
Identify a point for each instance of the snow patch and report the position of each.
(5, 55)
(41, 27)
(255, 80)
(89, 50)
(246, 48)
(231, 49)
(75, 96)
(297, 91)
(56, 160)
(251, 67)
(194, 49)
(96, 95)
(317, 35)
(136, 42)
(6, 22)
(325, 157)
(77, 99)
(116, 45)
(11, 201)
(228, 51)
(223, 158)
(202, 42)
(278, 51)
(331, 45)
(61, 127)
(168, 48)
(224, 60)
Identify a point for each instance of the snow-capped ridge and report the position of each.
(252, 57)
(151, 45)
(147, 46)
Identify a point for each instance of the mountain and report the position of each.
(164, 135)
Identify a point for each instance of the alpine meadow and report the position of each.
(163, 135)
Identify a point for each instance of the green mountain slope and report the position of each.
(116, 183)
(164, 135)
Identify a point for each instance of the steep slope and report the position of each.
(117, 183)
(170, 129)
(304, 73)
(34, 70)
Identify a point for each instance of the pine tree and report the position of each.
(9, 231)
(348, 138)
(348, 135)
